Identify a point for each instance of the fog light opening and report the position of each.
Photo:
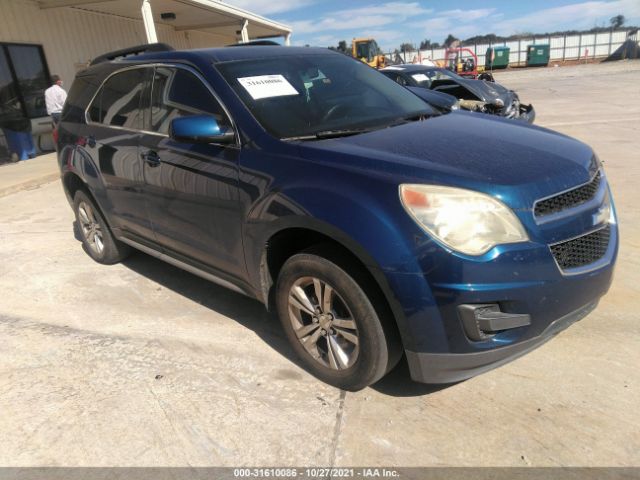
(483, 321)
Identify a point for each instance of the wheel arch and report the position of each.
(71, 183)
(79, 171)
(337, 247)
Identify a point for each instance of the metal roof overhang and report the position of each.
(209, 16)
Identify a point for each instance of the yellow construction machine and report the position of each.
(367, 50)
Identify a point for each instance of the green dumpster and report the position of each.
(497, 57)
(537, 55)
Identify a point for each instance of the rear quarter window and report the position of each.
(80, 94)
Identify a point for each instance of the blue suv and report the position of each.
(313, 183)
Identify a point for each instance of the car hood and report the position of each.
(488, 91)
(433, 97)
(517, 162)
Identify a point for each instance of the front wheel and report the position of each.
(331, 323)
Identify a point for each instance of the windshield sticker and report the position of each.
(420, 77)
(267, 86)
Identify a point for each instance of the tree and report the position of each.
(406, 47)
(450, 40)
(617, 21)
(488, 38)
(342, 48)
(428, 45)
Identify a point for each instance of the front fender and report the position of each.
(370, 228)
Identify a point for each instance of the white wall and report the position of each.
(570, 47)
(72, 37)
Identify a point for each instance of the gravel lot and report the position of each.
(143, 364)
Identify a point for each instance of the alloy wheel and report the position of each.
(323, 323)
(91, 229)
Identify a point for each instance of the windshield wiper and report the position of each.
(414, 117)
(347, 132)
(323, 134)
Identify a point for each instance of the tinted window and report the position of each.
(423, 78)
(396, 78)
(80, 94)
(23, 79)
(304, 95)
(441, 74)
(178, 93)
(32, 76)
(10, 105)
(118, 102)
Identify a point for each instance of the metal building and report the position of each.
(42, 37)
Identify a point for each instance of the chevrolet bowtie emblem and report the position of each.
(602, 215)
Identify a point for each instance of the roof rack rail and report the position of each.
(256, 43)
(137, 50)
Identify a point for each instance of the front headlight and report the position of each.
(467, 221)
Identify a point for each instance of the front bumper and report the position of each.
(454, 367)
(522, 279)
(527, 113)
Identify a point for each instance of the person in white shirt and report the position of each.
(54, 98)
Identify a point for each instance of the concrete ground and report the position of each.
(28, 174)
(143, 364)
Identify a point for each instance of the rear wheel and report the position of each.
(331, 323)
(97, 239)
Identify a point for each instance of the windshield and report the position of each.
(364, 50)
(424, 78)
(299, 96)
(367, 49)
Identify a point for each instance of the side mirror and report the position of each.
(199, 129)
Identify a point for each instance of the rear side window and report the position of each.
(118, 101)
(178, 93)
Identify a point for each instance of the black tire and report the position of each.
(91, 225)
(486, 76)
(378, 351)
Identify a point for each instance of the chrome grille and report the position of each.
(569, 199)
(583, 250)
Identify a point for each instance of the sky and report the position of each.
(325, 22)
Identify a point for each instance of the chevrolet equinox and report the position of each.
(313, 183)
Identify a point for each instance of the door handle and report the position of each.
(151, 158)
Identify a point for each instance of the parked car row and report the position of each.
(344, 202)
